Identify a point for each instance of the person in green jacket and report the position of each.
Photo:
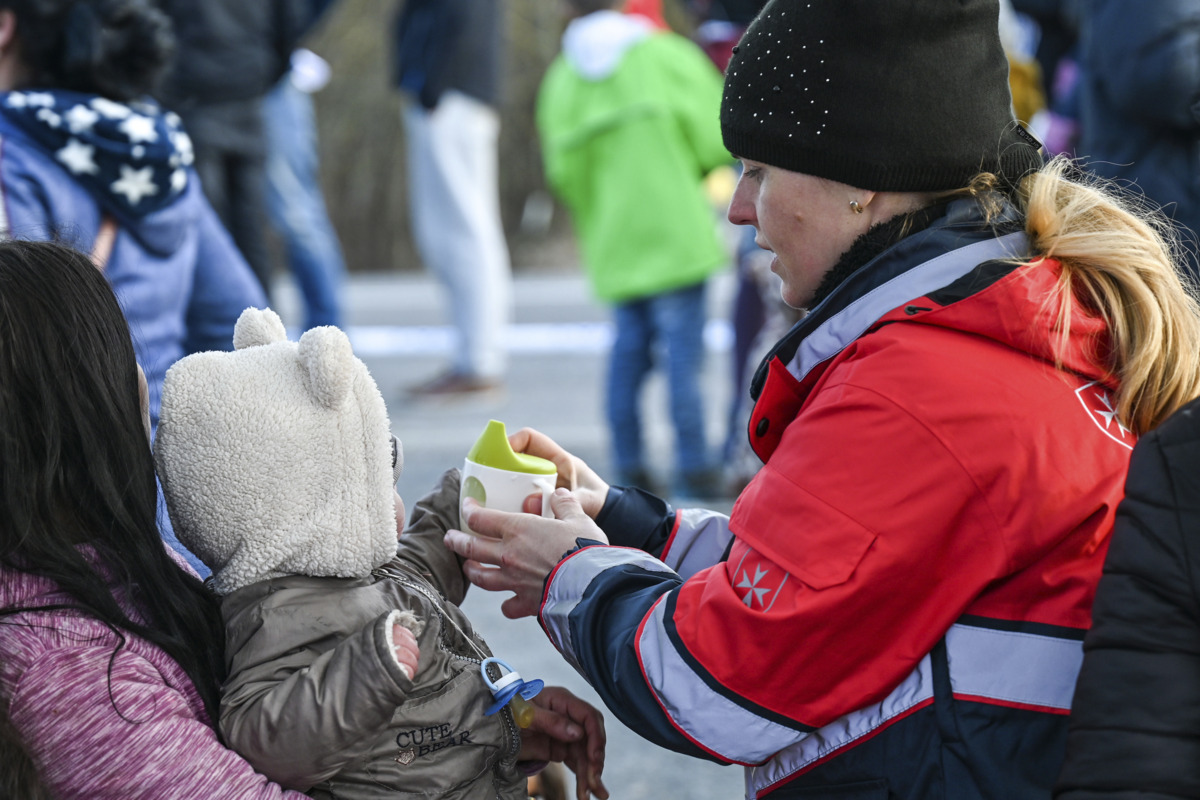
(628, 120)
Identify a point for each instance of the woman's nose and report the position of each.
(741, 205)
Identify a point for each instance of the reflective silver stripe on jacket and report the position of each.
(999, 666)
(700, 540)
(571, 579)
(832, 336)
(708, 718)
(1002, 667)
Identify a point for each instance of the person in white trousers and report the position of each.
(447, 68)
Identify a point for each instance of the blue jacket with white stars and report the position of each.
(71, 161)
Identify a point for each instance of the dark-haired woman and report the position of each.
(110, 651)
(86, 159)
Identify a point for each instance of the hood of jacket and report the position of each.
(595, 44)
(133, 158)
(277, 459)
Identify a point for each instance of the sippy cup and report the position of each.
(496, 477)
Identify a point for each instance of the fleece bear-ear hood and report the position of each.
(276, 459)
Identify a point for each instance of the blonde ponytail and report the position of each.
(1120, 260)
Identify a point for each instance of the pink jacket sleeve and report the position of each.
(145, 739)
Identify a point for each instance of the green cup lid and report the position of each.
(492, 449)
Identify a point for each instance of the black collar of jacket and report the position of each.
(877, 257)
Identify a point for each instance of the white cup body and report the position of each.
(502, 489)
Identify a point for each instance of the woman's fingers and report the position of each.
(515, 552)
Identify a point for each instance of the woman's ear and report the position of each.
(8, 29)
(13, 72)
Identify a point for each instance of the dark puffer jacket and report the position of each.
(1135, 721)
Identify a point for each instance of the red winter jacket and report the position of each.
(898, 599)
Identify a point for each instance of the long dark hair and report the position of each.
(76, 467)
(118, 49)
(19, 778)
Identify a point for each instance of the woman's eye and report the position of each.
(753, 173)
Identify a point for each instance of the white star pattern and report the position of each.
(755, 591)
(110, 109)
(139, 129)
(49, 117)
(183, 147)
(43, 99)
(17, 100)
(138, 151)
(78, 157)
(81, 118)
(178, 180)
(135, 183)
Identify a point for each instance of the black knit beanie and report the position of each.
(886, 95)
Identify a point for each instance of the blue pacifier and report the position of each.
(511, 689)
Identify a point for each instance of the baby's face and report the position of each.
(144, 399)
(397, 467)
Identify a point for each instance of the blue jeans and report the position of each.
(674, 323)
(296, 205)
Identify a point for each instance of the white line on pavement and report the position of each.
(525, 338)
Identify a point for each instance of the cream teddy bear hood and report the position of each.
(276, 459)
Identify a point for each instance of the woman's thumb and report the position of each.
(564, 504)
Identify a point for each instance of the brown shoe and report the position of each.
(456, 384)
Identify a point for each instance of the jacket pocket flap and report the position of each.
(815, 542)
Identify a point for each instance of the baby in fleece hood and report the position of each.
(279, 470)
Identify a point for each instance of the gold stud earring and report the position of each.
(856, 207)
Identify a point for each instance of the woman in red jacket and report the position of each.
(895, 606)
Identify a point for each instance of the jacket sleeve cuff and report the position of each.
(387, 649)
(635, 518)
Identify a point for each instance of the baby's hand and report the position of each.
(404, 647)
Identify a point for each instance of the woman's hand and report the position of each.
(573, 472)
(515, 552)
(569, 730)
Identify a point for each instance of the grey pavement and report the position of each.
(558, 342)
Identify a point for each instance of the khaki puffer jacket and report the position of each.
(310, 670)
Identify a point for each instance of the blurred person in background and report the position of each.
(627, 117)
(89, 159)
(895, 607)
(1057, 54)
(295, 200)
(1140, 82)
(448, 58)
(229, 55)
